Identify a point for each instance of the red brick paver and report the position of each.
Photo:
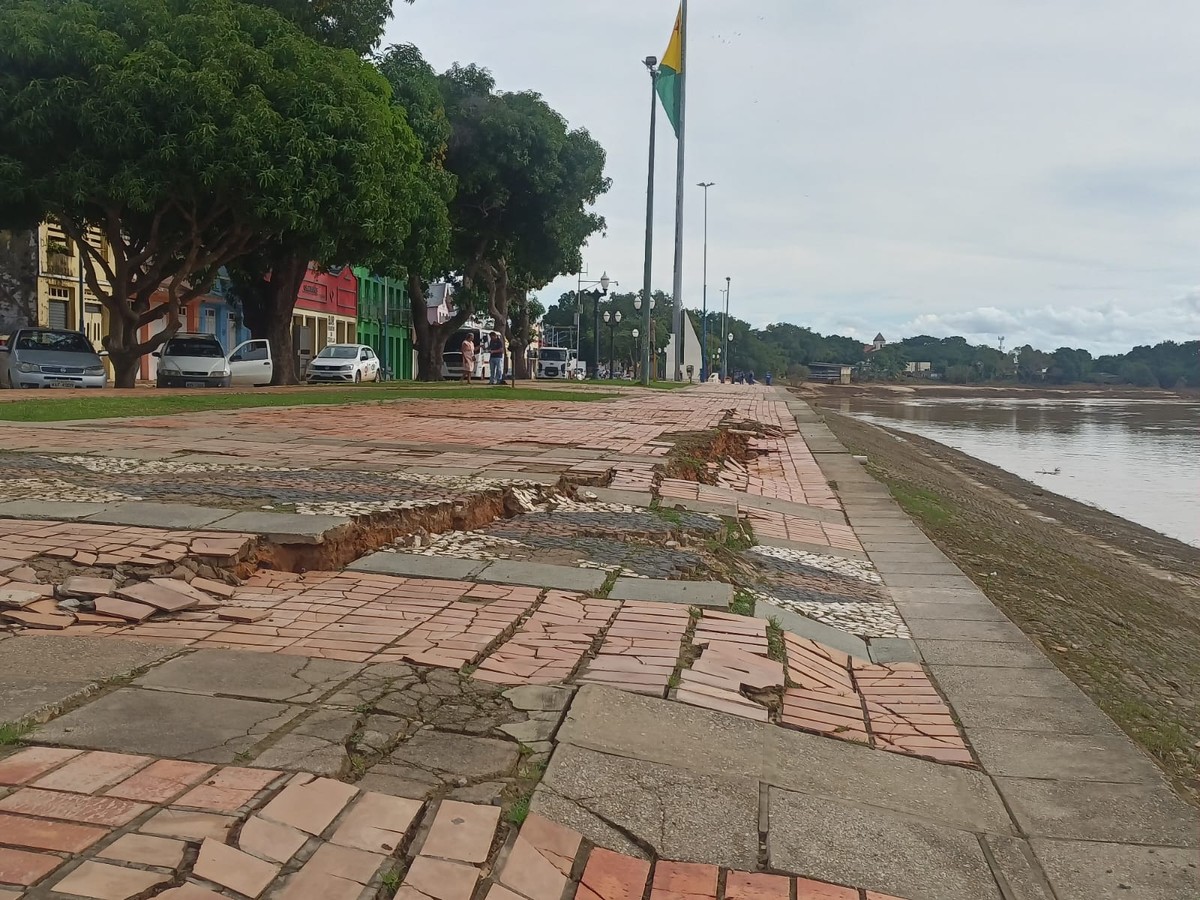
(641, 648)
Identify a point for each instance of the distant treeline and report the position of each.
(788, 350)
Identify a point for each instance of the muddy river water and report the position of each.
(1139, 459)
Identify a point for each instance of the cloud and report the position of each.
(1021, 169)
(1105, 329)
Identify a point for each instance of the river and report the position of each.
(1139, 459)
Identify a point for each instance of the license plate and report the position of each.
(60, 384)
(193, 384)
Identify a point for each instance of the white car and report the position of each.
(199, 360)
(344, 362)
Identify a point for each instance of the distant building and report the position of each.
(830, 373)
(42, 281)
(876, 345)
(917, 368)
(384, 321)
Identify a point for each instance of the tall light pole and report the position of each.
(651, 63)
(704, 317)
(612, 320)
(724, 318)
(605, 283)
(649, 354)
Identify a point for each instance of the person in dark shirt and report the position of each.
(496, 359)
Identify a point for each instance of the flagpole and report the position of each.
(677, 313)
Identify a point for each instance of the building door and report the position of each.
(60, 307)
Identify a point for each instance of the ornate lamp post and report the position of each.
(612, 321)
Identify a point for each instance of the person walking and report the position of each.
(468, 358)
(496, 359)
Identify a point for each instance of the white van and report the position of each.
(556, 362)
(452, 354)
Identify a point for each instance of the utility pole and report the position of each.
(725, 332)
(677, 287)
(648, 274)
(704, 311)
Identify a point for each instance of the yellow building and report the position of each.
(64, 299)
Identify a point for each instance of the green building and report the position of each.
(384, 321)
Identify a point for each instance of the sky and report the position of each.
(1019, 168)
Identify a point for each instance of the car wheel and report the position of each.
(358, 377)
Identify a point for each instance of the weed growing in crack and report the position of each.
(519, 811)
(391, 880)
(12, 733)
(775, 646)
(743, 604)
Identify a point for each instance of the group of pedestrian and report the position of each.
(495, 350)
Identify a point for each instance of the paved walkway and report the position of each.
(562, 630)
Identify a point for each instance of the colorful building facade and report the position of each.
(385, 322)
(326, 312)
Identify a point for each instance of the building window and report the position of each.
(208, 320)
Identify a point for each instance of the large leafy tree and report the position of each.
(425, 253)
(520, 214)
(352, 24)
(191, 132)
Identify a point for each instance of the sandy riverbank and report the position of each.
(1114, 604)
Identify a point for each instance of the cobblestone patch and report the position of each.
(613, 537)
(307, 490)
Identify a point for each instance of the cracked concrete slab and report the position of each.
(457, 755)
(417, 566)
(637, 805)
(145, 514)
(714, 594)
(656, 730)
(1099, 811)
(1086, 870)
(876, 849)
(159, 723)
(40, 673)
(258, 676)
(316, 744)
(1093, 757)
(949, 796)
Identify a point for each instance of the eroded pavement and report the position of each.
(670, 644)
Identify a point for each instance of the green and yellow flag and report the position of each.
(670, 70)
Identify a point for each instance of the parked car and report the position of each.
(344, 362)
(50, 358)
(199, 360)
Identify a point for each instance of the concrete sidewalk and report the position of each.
(880, 731)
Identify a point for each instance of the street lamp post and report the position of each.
(637, 352)
(605, 283)
(729, 351)
(612, 321)
(704, 320)
(651, 63)
(649, 360)
(724, 318)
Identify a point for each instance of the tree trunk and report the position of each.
(287, 274)
(121, 342)
(430, 339)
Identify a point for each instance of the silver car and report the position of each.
(50, 358)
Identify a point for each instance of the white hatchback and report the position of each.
(344, 362)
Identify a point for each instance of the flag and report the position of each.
(670, 72)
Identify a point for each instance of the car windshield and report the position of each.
(193, 347)
(338, 353)
(58, 341)
(554, 355)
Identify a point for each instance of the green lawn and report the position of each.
(97, 405)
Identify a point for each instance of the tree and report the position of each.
(189, 131)
(355, 25)
(520, 214)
